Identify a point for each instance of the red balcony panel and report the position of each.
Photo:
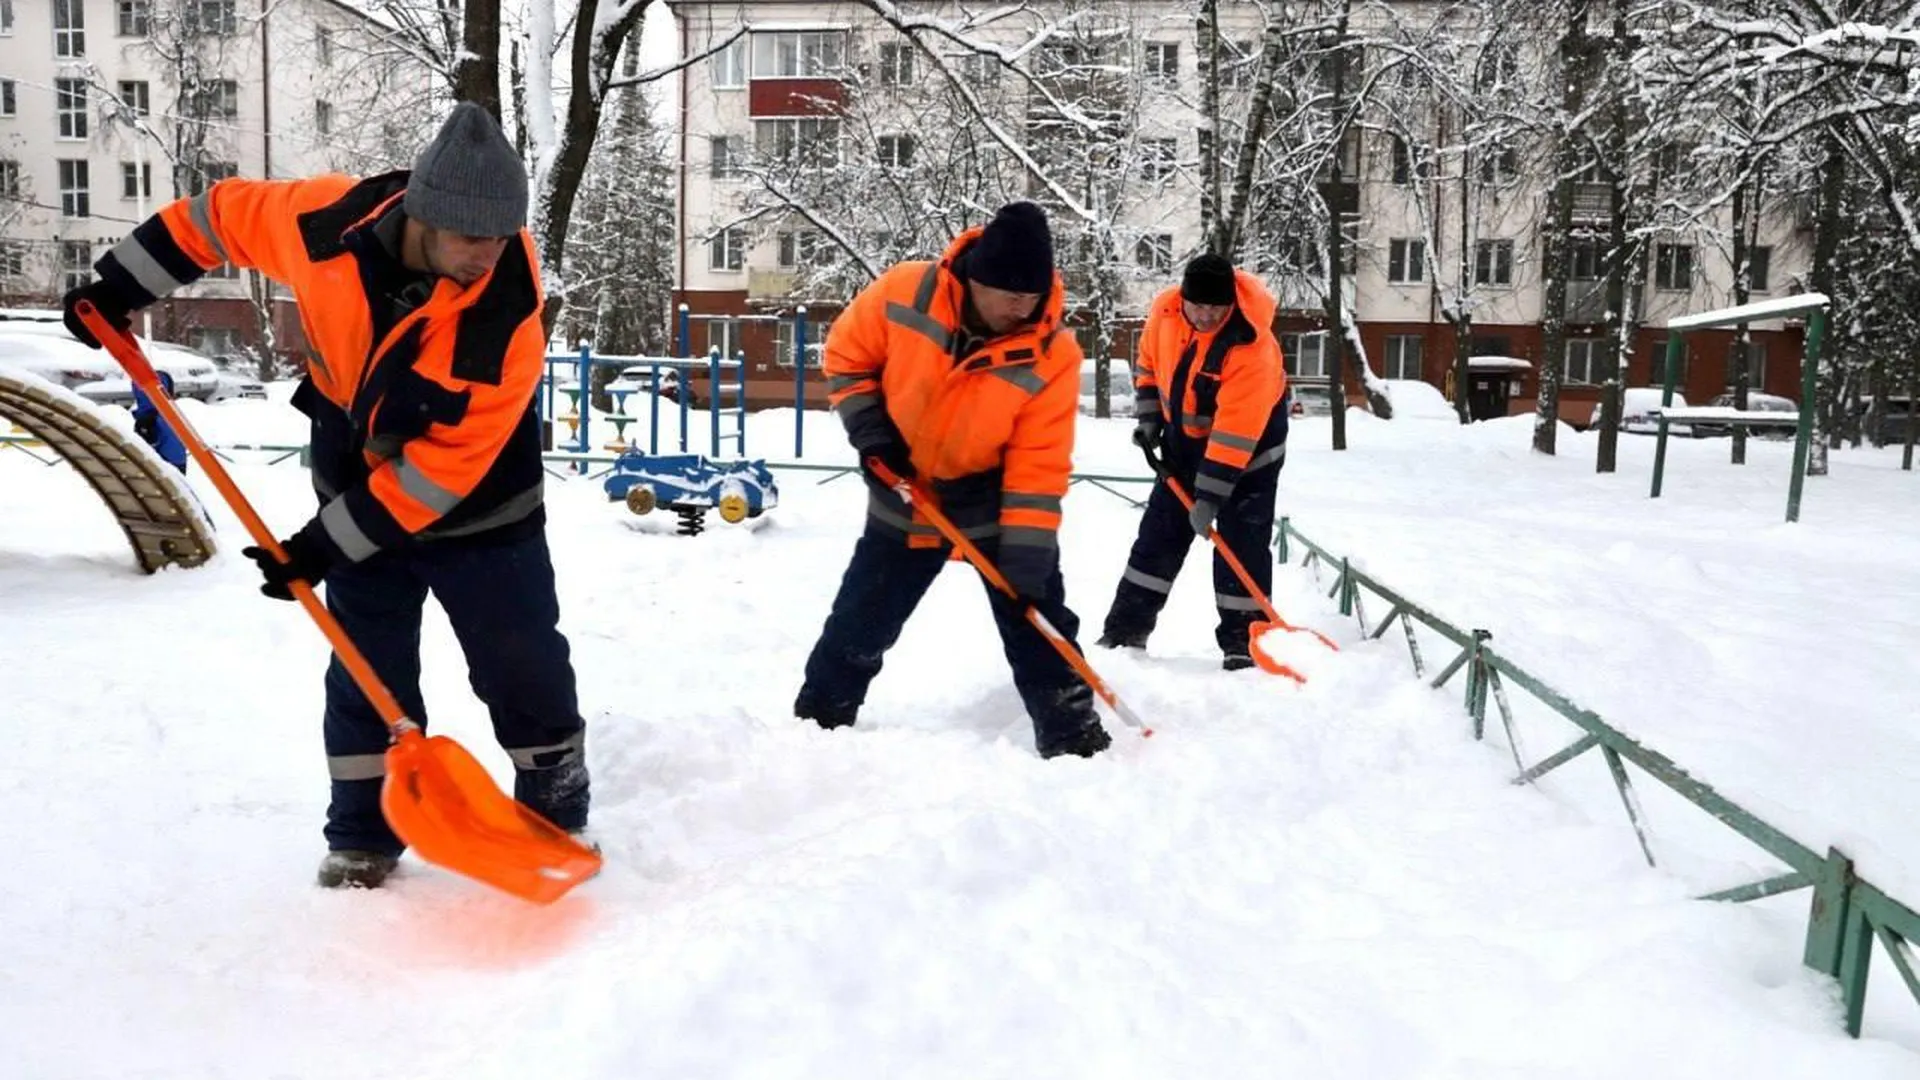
(794, 97)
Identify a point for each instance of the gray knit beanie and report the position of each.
(468, 180)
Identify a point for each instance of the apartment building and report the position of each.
(109, 109)
(786, 75)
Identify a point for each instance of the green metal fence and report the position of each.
(1847, 913)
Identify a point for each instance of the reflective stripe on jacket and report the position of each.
(991, 430)
(428, 432)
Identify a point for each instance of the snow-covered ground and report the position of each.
(1328, 881)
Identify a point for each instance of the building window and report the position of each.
(1673, 267)
(6, 18)
(1410, 162)
(799, 250)
(1162, 63)
(1238, 61)
(76, 263)
(1759, 269)
(724, 335)
(136, 180)
(783, 343)
(1306, 354)
(192, 181)
(70, 105)
(727, 250)
(1406, 261)
(1658, 371)
(13, 259)
(1585, 359)
(323, 46)
(214, 99)
(1158, 158)
(896, 151)
(981, 71)
(801, 54)
(135, 98)
(896, 64)
(9, 179)
(1154, 252)
(1499, 165)
(1493, 262)
(809, 143)
(217, 340)
(1406, 356)
(1587, 262)
(7, 105)
(323, 117)
(725, 156)
(209, 16)
(75, 201)
(730, 65)
(133, 16)
(1756, 354)
(69, 28)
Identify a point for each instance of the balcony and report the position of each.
(1587, 302)
(769, 284)
(767, 98)
(1592, 202)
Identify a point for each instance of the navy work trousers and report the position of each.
(498, 593)
(883, 585)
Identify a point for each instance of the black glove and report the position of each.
(309, 557)
(1028, 568)
(113, 307)
(146, 424)
(1147, 431)
(877, 437)
(1202, 515)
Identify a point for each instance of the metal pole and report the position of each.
(713, 395)
(1803, 431)
(1674, 346)
(740, 387)
(653, 434)
(684, 340)
(586, 400)
(799, 379)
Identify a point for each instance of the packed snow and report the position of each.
(1332, 880)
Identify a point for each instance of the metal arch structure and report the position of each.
(157, 512)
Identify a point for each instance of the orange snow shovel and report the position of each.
(918, 496)
(1273, 620)
(439, 800)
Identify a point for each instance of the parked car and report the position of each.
(641, 380)
(1756, 402)
(1637, 407)
(46, 349)
(1309, 397)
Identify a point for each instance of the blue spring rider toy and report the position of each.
(690, 485)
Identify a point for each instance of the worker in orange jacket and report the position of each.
(958, 373)
(420, 295)
(1210, 398)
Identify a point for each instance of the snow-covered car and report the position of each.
(1119, 388)
(640, 379)
(1309, 398)
(231, 387)
(1756, 402)
(47, 350)
(1638, 404)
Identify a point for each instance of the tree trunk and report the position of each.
(1209, 33)
(1826, 244)
(1619, 324)
(1743, 228)
(476, 77)
(1336, 341)
(1573, 71)
(1463, 318)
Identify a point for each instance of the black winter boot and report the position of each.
(828, 716)
(356, 869)
(1236, 662)
(1115, 640)
(1086, 742)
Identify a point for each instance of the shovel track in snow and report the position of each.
(157, 514)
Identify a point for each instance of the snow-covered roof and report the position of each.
(1498, 363)
(1764, 309)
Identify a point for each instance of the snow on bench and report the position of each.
(1755, 312)
(1726, 415)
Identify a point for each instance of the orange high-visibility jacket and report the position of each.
(430, 432)
(991, 430)
(1221, 388)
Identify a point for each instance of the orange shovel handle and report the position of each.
(127, 352)
(923, 501)
(1232, 560)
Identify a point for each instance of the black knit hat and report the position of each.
(1015, 251)
(1208, 280)
(469, 180)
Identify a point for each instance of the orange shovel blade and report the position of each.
(1260, 656)
(443, 805)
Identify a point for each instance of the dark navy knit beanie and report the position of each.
(1015, 251)
(1208, 280)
